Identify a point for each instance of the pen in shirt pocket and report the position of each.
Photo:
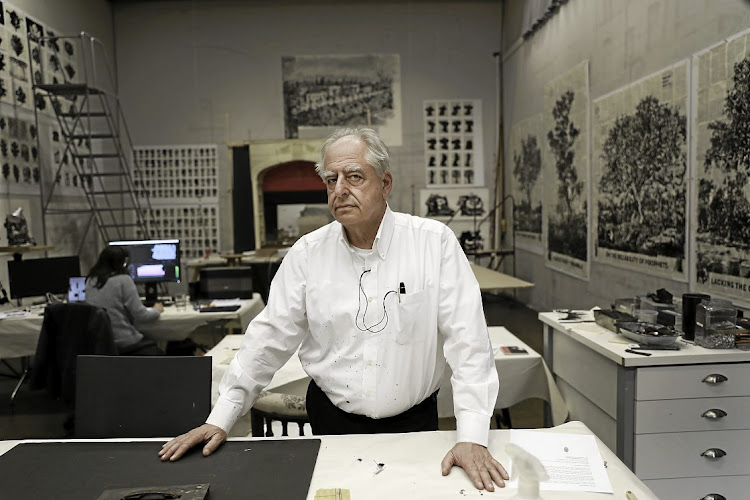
(401, 290)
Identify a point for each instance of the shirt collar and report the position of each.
(382, 238)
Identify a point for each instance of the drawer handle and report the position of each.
(714, 496)
(714, 378)
(714, 414)
(714, 453)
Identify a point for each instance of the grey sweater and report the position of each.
(119, 297)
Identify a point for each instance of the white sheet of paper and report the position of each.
(226, 302)
(572, 461)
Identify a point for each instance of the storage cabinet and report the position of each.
(680, 419)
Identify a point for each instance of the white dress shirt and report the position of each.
(378, 349)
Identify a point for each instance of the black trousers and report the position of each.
(327, 418)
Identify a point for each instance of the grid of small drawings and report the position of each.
(453, 153)
(182, 185)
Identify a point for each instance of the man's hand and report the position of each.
(476, 460)
(209, 434)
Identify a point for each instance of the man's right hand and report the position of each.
(211, 435)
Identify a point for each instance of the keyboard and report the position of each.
(217, 309)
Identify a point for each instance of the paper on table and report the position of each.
(572, 461)
(14, 314)
(226, 302)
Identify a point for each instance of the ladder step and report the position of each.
(105, 174)
(99, 193)
(91, 114)
(91, 136)
(69, 89)
(97, 155)
(120, 225)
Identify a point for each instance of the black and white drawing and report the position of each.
(722, 118)
(453, 142)
(466, 211)
(189, 173)
(640, 174)
(526, 143)
(565, 203)
(329, 91)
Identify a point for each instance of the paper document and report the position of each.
(14, 314)
(572, 461)
(226, 302)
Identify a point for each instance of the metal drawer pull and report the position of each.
(714, 453)
(714, 378)
(714, 496)
(714, 414)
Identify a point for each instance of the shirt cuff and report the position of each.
(472, 427)
(224, 414)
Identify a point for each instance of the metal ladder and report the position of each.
(98, 144)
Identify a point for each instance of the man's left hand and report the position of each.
(475, 459)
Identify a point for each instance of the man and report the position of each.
(376, 301)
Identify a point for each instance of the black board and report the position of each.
(82, 470)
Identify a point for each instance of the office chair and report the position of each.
(284, 408)
(141, 396)
(67, 331)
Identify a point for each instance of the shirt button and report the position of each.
(369, 299)
(368, 394)
(369, 362)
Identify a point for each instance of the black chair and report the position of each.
(141, 396)
(67, 331)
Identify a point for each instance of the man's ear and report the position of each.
(387, 184)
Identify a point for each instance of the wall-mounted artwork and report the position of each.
(526, 143)
(722, 164)
(639, 165)
(453, 142)
(325, 92)
(467, 211)
(566, 164)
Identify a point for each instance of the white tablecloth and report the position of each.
(522, 376)
(19, 335)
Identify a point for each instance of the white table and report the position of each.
(489, 279)
(412, 467)
(522, 376)
(19, 335)
(652, 410)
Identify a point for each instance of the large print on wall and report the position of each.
(565, 204)
(639, 158)
(329, 91)
(722, 149)
(526, 142)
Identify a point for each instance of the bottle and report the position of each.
(715, 322)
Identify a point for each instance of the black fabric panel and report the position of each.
(237, 470)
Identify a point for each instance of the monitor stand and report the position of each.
(152, 294)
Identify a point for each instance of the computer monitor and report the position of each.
(37, 277)
(152, 262)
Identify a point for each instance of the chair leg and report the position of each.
(256, 423)
(301, 428)
(269, 427)
(284, 431)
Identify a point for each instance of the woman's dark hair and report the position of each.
(112, 261)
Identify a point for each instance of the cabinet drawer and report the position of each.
(677, 415)
(678, 454)
(696, 488)
(685, 381)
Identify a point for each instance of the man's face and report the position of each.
(356, 195)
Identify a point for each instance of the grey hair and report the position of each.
(376, 155)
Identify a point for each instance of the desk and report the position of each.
(522, 376)
(19, 335)
(412, 467)
(493, 280)
(651, 410)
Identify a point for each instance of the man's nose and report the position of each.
(341, 187)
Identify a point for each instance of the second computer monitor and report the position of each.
(152, 262)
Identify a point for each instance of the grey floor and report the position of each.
(35, 415)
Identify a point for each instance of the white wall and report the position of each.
(198, 71)
(624, 40)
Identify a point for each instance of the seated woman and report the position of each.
(109, 286)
